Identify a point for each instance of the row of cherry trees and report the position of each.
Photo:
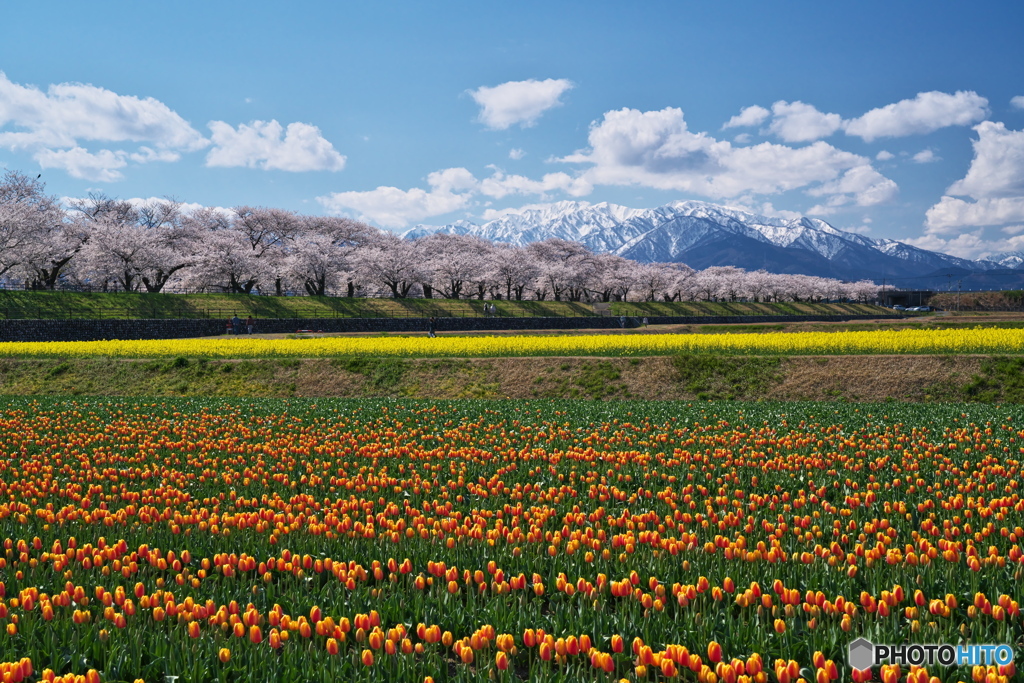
(107, 244)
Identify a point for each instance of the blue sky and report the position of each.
(894, 119)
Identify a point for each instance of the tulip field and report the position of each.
(371, 540)
(916, 341)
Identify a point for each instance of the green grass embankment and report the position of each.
(85, 305)
(854, 378)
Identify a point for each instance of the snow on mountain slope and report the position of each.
(699, 232)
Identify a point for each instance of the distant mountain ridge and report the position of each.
(701, 234)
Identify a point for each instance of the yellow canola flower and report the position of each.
(983, 341)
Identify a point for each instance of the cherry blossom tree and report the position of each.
(514, 269)
(454, 261)
(391, 264)
(134, 245)
(321, 254)
(27, 217)
(566, 268)
(267, 233)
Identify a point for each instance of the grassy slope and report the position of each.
(67, 305)
(651, 308)
(854, 378)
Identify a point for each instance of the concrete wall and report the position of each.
(92, 330)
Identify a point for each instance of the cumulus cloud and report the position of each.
(55, 124)
(518, 102)
(450, 190)
(997, 169)
(748, 116)
(69, 112)
(270, 146)
(801, 122)
(656, 149)
(884, 155)
(969, 245)
(927, 112)
(500, 185)
(861, 185)
(80, 163)
(516, 154)
(1017, 102)
(995, 181)
(85, 130)
(952, 213)
(925, 156)
(395, 208)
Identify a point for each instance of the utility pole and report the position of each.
(958, 283)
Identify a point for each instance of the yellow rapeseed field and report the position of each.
(1000, 341)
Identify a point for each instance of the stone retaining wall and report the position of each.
(92, 330)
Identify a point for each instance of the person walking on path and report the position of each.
(236, 323)
(231, 328)
(431, 327)
(249, 324)
(622, 321)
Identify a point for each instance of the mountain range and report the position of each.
(701, 234)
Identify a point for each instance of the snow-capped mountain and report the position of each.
(702, 235)
(1009, 259)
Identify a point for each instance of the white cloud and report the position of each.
(927, 112)
(885, 155)
(742, 138)
(925, 156)
(450, 190)
(970, 245)
(395, 208)
(997, 169)
(522, 102)
(80, 163)
(54, 126)
(516, 154)
(748, 116)
(995, 181)
(862, 185)
(270, 146)
(801, 122)
(1017, 102)
(500, 185)
(70, 112)
(146, 155)
(952, 213)
(655, 149)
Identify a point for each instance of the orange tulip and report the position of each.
(367, 657)
(668, 668)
